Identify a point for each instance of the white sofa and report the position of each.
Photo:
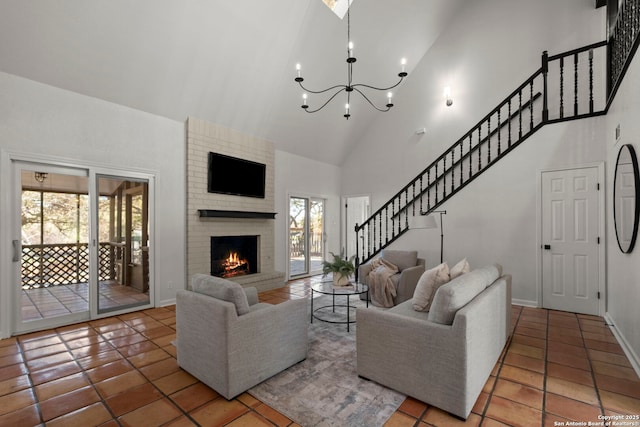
(445, 356)
(230, 341)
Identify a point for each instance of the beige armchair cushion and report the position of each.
(401, 259)
(222, 289)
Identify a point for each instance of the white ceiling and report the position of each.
(228, 62)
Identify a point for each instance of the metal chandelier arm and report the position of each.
(381, 88)
(321, 91)
(328, 100)
(370, 102)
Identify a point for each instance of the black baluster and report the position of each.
(509, 125)
(444, 177)
(413, 204)
(531, 106)
(399, 213)
(428, 189)
(373, 222)
(479, 148)
(575, 84)
(452, 168)
(545, 72)
(406, 208)
(591, 80)
(386, 223)
(561, 86)
(461, 162)
(520, 114)
(470, 152)
(437, 179)
(380, 234)
(499, 131)
(421, 193)
(489, 140)
(393, 218)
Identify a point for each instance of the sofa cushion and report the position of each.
(405, 309)
(451, 297)
(427, 286)
(402, 259)
(222, 289)
(459, 269)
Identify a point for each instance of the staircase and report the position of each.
(573, 85)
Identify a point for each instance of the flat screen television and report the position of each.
(239, 177)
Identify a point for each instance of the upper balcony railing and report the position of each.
(573, 85)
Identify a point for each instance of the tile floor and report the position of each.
(122, 371)
(42, 303)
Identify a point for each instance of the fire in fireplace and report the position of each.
(233, 256)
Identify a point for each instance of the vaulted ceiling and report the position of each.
(228, 62)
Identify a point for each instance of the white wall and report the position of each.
(623, 271)
(491, 48)
(300, 176)
(41, 120)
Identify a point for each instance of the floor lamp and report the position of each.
(428, 220)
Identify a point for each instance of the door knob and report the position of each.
(547, 247)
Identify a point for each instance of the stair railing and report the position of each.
(623, 44)
(512, 122)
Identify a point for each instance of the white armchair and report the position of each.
(230, 341)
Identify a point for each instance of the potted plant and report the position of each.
(341, 268)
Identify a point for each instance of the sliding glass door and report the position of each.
(123, 231)
(52, 254)
(81, 247)
(306, 236)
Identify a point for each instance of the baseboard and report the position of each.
(167, 302)
(524, 302)
(628, 350)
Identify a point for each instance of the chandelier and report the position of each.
(350, 86)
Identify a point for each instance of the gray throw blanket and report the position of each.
(381, 287)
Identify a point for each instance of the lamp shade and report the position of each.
(423, 221)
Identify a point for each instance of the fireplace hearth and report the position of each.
(233, 256)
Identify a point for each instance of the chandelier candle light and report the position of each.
(350, 86)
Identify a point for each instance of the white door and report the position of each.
(570, 252)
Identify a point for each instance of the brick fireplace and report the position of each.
(234, 256)
(224, 215)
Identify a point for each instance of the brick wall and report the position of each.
(203, 137)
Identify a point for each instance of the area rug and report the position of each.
(324, 389)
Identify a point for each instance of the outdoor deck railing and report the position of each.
(64, 264)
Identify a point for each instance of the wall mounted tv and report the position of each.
(239, 177)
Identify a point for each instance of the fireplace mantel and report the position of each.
(214, 213)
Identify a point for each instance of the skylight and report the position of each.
(339, 7)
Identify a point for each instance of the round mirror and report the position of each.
(626, 200)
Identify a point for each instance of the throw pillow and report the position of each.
(459, 269)
(427, 286)
(222, 289)
(458, 292)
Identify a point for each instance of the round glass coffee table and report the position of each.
(327, 313)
